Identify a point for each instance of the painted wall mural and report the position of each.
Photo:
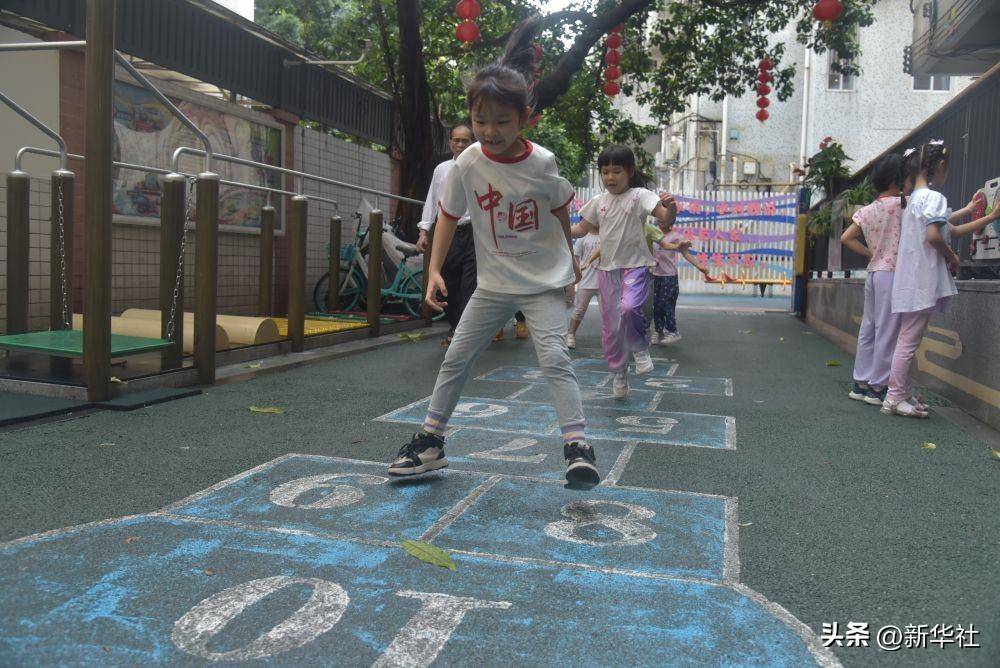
(146, 133)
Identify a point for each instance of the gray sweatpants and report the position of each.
(485, 313)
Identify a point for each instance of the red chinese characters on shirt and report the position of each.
(524, 216)
(520, 217)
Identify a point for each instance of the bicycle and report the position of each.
(406, 287)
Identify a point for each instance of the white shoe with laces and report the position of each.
(619, 387)
(643, 362)
(570, 340)
(670, 337)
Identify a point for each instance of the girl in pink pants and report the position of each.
(925, 266)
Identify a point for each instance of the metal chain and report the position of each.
(63, 270)
(180, 259)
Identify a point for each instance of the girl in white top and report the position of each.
(925, 264)
(584, 249)
(619, 215)
(517, 203)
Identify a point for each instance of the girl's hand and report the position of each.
(668, 202)
(684, 245)
(576, 270)
(435, 285)
(953, 261)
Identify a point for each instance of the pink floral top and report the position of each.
(880, 222)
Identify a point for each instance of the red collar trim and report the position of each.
(507, 161)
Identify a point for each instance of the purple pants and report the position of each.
(622, 301)
(879, 330)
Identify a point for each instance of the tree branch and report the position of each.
(554, 18)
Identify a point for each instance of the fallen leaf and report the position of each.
(105, 649)
(255, 365)
(995, 454)
(116, 380)
(106, 444)
(209, 571)
(746, 524)
(781, 338)
(266, 409)
(131, 539)
(929, 446)
(428, 553)
(758, 401)
(833, 362)
(412, 337)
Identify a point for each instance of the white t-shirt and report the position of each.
(620, 220)
(430, 213)
(521, 247)
(922, 278)
(583, 248)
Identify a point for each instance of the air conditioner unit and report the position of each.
(749, 168)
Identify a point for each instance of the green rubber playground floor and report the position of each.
(843, 516)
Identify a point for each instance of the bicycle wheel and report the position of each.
(413, 299)
(352, 291)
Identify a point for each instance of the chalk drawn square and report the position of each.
(353, 500)
(540, 457)
(674, 534)
(165, 591)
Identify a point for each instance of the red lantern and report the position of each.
(613, 72)
(762, 115)
(611, 88)
(538, 52)
(765, 77)
(533, 121)
(613, 57)
(467, 31)
(613, 41)
(763, 89)
(827, 11)
(763, 102)
(765, 64)
(467, 10)
(620, 28)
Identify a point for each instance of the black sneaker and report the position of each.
(424, 452)
(876, 397)
(859, 391)
(581, 465)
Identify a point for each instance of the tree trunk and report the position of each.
(418, 146)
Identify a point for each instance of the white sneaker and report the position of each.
(643, 362)
(570, 340)
(670, 337)
(619, 387)
(654, 338)
(904, 408)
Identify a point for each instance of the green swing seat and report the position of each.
(69, 343)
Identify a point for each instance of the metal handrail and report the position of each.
(159, 170)
(42, 46)
(27, 115)
(148, 85)
(185, 150)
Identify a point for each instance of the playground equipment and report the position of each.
(98, 341)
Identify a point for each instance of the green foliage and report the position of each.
(820, 222)
(826, 169)
(672, 49)
(861, 194)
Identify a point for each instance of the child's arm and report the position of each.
(444, 232)
(666, 211)
(563, 216)
(581, 229)
(976, 225)
(850, 239)
(935, 239)
(594, 257)
(966, 210)
(674, 245)
(690, 258)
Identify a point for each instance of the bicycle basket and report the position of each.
(347, 252)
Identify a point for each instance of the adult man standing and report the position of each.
(459, 268)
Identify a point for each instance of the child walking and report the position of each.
(879, 222)
(619, 215)
(666, 287)
(923, 280)
(585, 250)
(517, 202)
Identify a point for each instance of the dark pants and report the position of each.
(459, 274)
(665, 292)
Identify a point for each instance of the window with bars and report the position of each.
(836, 80)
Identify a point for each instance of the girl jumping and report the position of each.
(619, 215)
(517, 202)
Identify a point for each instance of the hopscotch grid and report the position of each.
(289, 531)
(611, 480)
(729, 387)
(824, 657)
(731, 542)
(730, 434)
(671, 369)
(52, 533)
(516, 393)
(655, 402)
(384, 417)
(459, 508)
(223, 483)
